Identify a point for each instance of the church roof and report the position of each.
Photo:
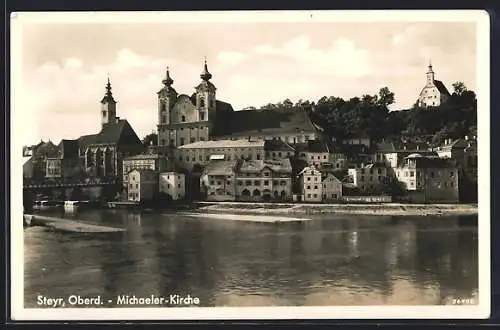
(441, 87)
(289, 121)
(119, 132)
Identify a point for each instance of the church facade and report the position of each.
(184, 119)
(434, 92)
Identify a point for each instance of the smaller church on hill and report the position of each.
(434, 93)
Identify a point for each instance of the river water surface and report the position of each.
(331, 260)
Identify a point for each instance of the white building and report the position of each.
(331, 187)
(141, 185)
(434, 92)
(368, 178)
(173, 184)
(310, 184)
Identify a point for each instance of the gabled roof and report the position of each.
(441, 87)
(275, 121)
(325, 175)
(119, 132)
(310, 168)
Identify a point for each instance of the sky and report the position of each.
(64, 67)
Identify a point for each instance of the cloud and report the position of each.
(231, 57)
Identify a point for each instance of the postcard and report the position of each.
(250, 165)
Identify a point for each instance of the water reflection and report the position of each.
(327, 261)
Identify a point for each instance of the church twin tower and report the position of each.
(186, 119)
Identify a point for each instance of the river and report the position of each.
(330, 260)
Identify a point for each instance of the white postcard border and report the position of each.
(480, 311)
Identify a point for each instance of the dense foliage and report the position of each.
(369, 115)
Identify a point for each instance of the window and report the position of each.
(283, 182)
(200, 158)
(248, 182)
(266, 182)
(412, 174)
(309, 195)
(452, 174)
(229, 157)
(137, 185)
(324, 185)
(168, 186)
(202, 116)
(452, 184)
(212, 182)
(228, 182)
(371, 178)
(183, 118)
(315, 195)
(192, 140)
(257, 182)
(432, 174)
(308, 187)
(218, 183)
(207, 158)
(308, 178)
(163, 119)
(379, 171)
(362, 178)
(258, 156)
(182, 142)
(240, 182)
(324, 156)
(315, 178)
(275, 182)
(315, 187)
(178, 185)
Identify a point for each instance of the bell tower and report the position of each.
(167, 97)
(108, 106)
(205, 96)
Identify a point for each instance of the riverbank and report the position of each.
(361, 209)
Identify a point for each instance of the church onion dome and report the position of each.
(168, 81)
(108, 96)
(205, 75)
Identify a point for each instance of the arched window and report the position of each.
(202, 102)
(183, 118)
(245, 192)
(256, 192)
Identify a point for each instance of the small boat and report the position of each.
(46, 205)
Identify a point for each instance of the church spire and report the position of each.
(168, 81)
(205, 75)
(108, 96)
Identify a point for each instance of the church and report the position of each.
(184, 119)
(434, 93)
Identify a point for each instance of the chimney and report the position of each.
(418, 147)
(466, 138)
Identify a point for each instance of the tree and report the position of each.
(150, 139)
(386, 97)
(459, 88)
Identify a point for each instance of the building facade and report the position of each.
(310, 179)
(154, 162)
(371, 178)
(434, 92)
(202, 152)
(173, 184)
(331, 187)
(141, 185)
(218, 180)
(264, 180)
(429, 179)
(184, 119)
